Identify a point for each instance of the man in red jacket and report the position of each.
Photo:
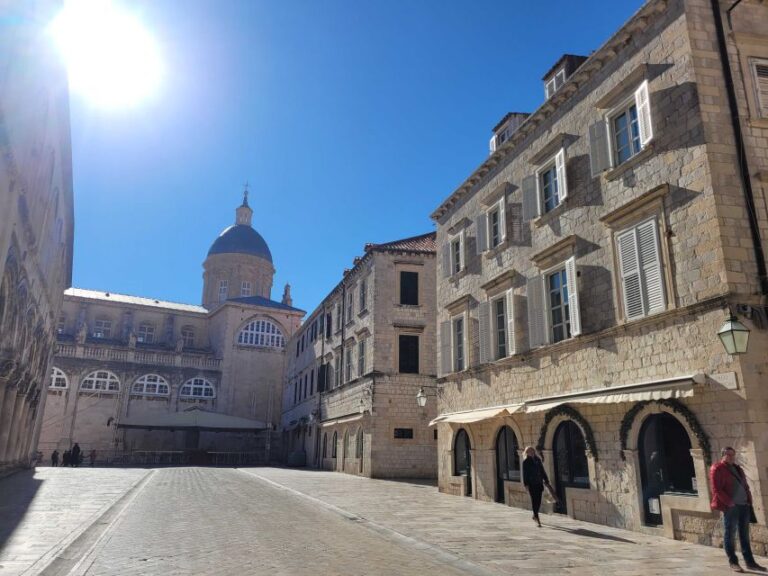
(731, 496)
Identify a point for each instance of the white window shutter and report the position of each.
(629, 267)
(573, 296)
(643, 104)
(481, 227)
(462, 249)
(485, 332)
(562, 179)
(446, 249)
(599, 150)
(650, 264)
(492, 144)
(446, 360)
(530, 198)
(503, 218)
(537, 324)
(511, 336)
(760, 69)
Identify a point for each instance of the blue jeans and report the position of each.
(736, 518)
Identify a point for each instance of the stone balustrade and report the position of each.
(133, 356)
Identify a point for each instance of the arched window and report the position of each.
(571, 468)
(462, 458)
(261, 333)
(59, 380)
(666, 464)
(359, 443)
(197, 388)
(151, 385)
(333, 445)
(101, 380)
(325, 445)
(507, 460)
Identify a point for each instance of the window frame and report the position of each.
(250, 334)
(761, 103)
(245, 289)
(457, 258)
(361, 352)
(549, 166)
(455, 344)
(146, 333)
(223, 290)
(201, 383)
(188, 336)
(102, 328)
(348, 362)
(417, 364)
(112, 385)
(558, 270)
(363, 295)
(401, 284)
(143, 381)
(58, 374)
(624, 107)
(495, 336)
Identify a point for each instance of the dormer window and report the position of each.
(553, 84)
(560, 72)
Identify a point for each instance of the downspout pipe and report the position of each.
(743, 164)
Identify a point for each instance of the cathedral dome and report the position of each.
(241, 239)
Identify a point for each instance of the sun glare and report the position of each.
(111, 58)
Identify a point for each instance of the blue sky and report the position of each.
(350, 120)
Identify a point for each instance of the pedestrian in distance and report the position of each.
(76, 455)
(535, 479)
(92, 457)
(732, 497)
(55, 458)
(65, 460)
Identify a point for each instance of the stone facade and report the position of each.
(36, 224)
(677, 207)
(349, 402)
(164, 358)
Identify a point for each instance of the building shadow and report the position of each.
(17, 492)
(591, 534)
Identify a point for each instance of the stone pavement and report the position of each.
(44, 510)
(271, 521)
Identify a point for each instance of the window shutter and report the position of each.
(369, 351)
(643, 104)
(492, 144)
(650, 263)
(331, 377)
(761, 85)
(530, 198)
(573, 296)
(445, 348)
(485, 332)
(562, 179)
(446, 248)
(599, 151)
(537, 324)
(630, 275)
(503, 217)
(481, 225)
(511, 337)
(462, 249)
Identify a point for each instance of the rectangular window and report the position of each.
(363, 294)
(306, 382)
(500, 328)
(102, 328)
(760, 78)
(348, 364)
(337, 370)
(295, 391)
(456, 256)
(350, 306)
(312, 382)
(554, 83)
(146, 333)
(245, 288)
(188, 335)
(328, 325)
(403, 433)
(458, 344)
(494, 228)
(298, 348)
(338, 316)
(557, 304)
(408, 354)
(409, 288)
(549, 188)
(625, 134)
(61, 324)
(223, 287)
(361, 357)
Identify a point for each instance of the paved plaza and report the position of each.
(275, 521)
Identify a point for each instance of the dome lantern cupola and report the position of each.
(243, 213)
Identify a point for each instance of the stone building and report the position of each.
(358, 363)
(36, 222)
(153, 381)
(587, 266)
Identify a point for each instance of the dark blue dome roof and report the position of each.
(241, 239)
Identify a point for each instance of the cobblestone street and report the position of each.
(294, 522)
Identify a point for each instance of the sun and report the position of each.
(111, 58)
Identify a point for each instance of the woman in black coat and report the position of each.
(534, 478)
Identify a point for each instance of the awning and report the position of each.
(194, 419)
(469, 416)
(345, 420)
(680, 387)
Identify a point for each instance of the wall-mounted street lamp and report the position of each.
(421, 396)
(734, 335)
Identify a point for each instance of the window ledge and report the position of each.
(552, 214)
(638, 158)
(411, 306)
(363, 312)
(496, 250)
(758, 122)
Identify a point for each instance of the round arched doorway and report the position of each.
(666, 464)
(507, 460)
(571, 468)
(462, 458)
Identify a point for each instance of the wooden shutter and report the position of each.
(492, 144)
(573, 296)
(562, 178)
(445, 348)
(446, 250)
(462, 250)
(481, 225)
(530, 198)
(511, 336)
(537, 323)
(485, 332)
(650, 265)
(503, 218)
(629, 267)
(761, 86)
(643, 104)
(599, 150)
